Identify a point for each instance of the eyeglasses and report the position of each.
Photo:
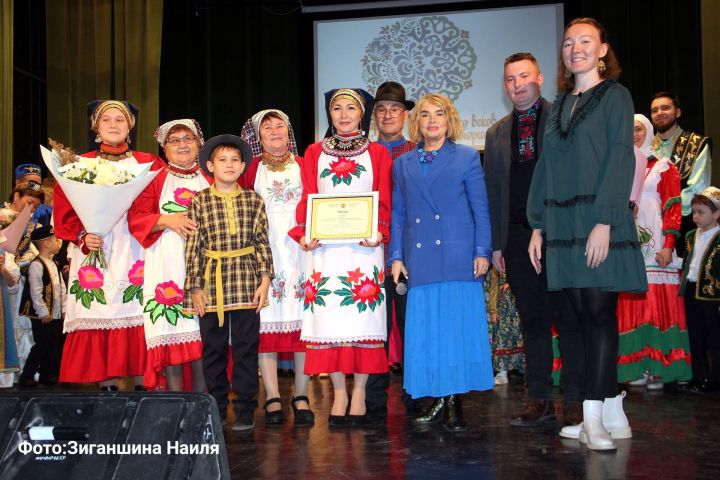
(393, 111)
(174, 141)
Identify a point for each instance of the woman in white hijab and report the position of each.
(654, 346)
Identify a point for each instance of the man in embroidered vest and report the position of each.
(512, 149)
(689, 152)
(391, 112)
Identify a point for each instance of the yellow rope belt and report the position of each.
(218, 256)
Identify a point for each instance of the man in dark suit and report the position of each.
(512, 149)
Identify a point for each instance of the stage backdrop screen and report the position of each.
(459, 54)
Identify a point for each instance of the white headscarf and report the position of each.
(647, 141)
(260, 116)
(192, 124)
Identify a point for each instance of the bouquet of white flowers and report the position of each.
(96, 171)
(100, 191)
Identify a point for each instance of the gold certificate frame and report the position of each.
(342, 218)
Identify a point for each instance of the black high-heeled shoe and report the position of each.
(433, 414)
(273, 418)
(357, 420)
(453, 416)
(304, 416)
(335, 421)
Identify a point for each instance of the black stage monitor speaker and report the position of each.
(111, 435)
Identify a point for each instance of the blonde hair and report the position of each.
(454, 125)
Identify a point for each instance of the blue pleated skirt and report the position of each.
(446, 340)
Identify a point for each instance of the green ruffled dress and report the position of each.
(583, 178)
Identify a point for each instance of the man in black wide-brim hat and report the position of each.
(390, 113)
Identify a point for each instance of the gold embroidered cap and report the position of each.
(107, 104)
(349, 94)
(712, 194)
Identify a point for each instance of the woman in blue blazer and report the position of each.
(440, 241)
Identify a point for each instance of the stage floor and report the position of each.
(675, 435)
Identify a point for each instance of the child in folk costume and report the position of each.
(158, 220)
(274, 174)
(42, 301)
(229, 268)
(701, 288)
(344, 319)
(105, 337)
(653, 346)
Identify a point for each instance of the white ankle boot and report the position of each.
(613, 419)
(592, 433)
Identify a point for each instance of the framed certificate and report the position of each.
(342, 218)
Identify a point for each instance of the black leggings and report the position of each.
(595, 310)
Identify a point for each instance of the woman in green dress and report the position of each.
(579, 205)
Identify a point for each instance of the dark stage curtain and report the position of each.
(658, 43)
(223, 61)
(101, 49)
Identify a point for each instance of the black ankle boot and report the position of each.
(452, 416)
(433, 414)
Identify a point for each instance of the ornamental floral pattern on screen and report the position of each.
(429, 54)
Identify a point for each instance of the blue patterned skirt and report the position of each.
(446, 340)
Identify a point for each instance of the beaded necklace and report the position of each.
(178, 171)
(108, 152)
(426, 157)
(345, 146)
(276, 163)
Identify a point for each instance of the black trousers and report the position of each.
(242, 328)
(44, 356)
(596, 314)
(377, 384)
(539, 310)
(703, 323)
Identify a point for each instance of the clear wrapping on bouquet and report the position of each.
(11, 235)
(99, 207)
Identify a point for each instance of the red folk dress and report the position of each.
(171, 337)
(104, 340)
(652, 326)
(344, 305)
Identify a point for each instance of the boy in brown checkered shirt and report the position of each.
(229, 268)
